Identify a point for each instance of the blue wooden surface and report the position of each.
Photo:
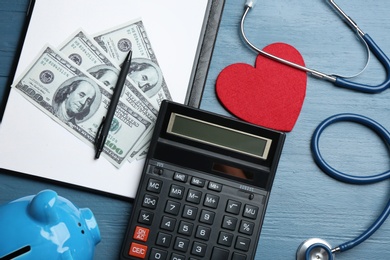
(304, 202)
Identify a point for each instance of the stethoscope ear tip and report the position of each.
(315, 249)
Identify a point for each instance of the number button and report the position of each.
(177, 257)
(203, 232)
(149, 201)
(189, 212)
(172, 207)
(158, 254)
(185, 228)
(168, 223)
(181, 244)
(199, 249)
(163, 239)
(207, 217)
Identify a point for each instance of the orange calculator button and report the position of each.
(141, 233)
(138, 250)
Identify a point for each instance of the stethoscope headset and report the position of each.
(316, 248)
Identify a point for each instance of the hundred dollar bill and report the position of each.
(145, 71)
(78, 102)
(86, 53)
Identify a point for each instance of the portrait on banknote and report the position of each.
(146, 75)
(107, 75)
(76, 100)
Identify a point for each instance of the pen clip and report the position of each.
(99, 132)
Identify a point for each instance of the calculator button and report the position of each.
(206, 217)
(211, 201)
(237, 256)
(141, 233)
(154, 185)
(177, 257)
(214, 186)
(150, 201)
(189, 212)
(198, 181)
(229, 223)
(163, 239)
(219, 254)
(233, 207)
(180, 177)
(199, 249)
(250, 211)
(246, 227)
(138, 250)
(145, 217)
(202, 232)
(176, 191)
(158, 254)
(172, 207)
(168, 223)
(242, 243)
(181, 244)
(185, 228)
(225, 238)
(194, 196)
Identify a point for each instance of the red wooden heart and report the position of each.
(270, 94)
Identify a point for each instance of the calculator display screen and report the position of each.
(217, 135)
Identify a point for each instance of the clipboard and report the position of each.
(87, 177)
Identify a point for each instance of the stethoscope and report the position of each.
(316, 248)
(337, 80)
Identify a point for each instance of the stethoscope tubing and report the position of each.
(381, 56)
(337, 80)
(347, 178)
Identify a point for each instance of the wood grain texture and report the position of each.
(304, 201)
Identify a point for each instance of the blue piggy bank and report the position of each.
(47, 226)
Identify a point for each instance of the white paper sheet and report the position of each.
(32, 143)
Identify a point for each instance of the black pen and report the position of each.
(104, 127)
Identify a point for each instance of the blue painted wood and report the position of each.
(304, 201)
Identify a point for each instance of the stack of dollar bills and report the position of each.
(73, 84)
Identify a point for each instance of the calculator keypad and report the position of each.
(187, 216)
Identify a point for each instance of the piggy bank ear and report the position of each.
(41, 207)
(91, 223)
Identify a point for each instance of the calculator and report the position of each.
(204, 188)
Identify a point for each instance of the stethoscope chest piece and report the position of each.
(315, 249)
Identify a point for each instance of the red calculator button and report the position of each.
(138, 250)
(141, 233)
